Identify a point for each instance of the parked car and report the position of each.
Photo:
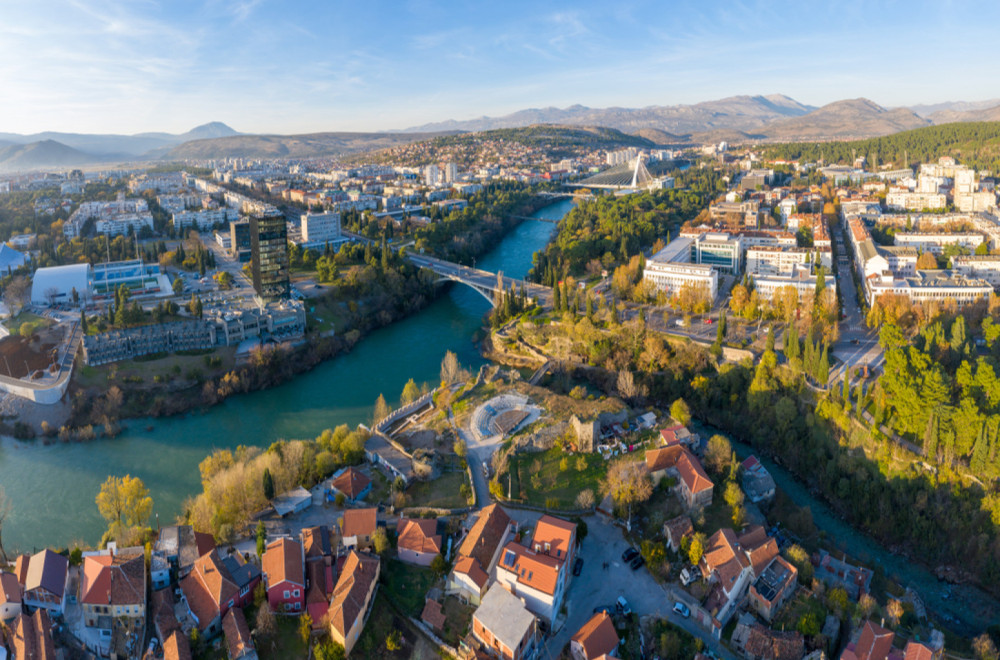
(682, 609)
(629, 554)
(578, 566)
(709, 321)
(637, 563)
(623, 606)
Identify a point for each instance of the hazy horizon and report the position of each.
(260, 66)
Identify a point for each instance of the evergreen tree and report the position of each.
(845, 394)
(980, 452)
(268, 483)
(590, 307)
(820, 282)
(557, 297)
(792, 348)
(83, 321)
(770, 338)
(823, 367)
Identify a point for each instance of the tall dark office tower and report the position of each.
(269, 256)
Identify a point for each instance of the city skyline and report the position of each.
(131, 66)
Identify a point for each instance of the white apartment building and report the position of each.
(671, 277)
(205, 220)
(932, 286)
(936, 242)
(801, 278)
(320, 228)
(777, 261)
(432, 175)
(111, 218)
(902, 260)
(902, 200)
(450, 172)
(621, 156)
(986, 267)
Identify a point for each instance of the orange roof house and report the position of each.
(358, 526)
(418, 541)
(352, 597)
(353, 483)
(596, 638)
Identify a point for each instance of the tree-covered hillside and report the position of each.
(974, 144)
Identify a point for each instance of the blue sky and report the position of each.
(287, 66)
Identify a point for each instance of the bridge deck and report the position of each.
(481, 279)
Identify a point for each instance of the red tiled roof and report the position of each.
(692, 473)
(177, 647)
(208, 588)
(204, 542)
(486, 535)
(677, 528)
(918, 651)
(10, 590)
(597, 637)
(348, 602)
(237, 632)
(762, 555)
(432, 615)
(557, 533)
(662, 459)
(538, 571)
(874, 643)
(110, 580)
(418, 535)
(753, 537)
(724, 557)
(469, 566)
(282, 562)
(351, 482)
(21, 568)
(359, 522)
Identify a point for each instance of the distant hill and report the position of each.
(932, 109)
(41, 154)
(111, 146)
(736, 112)
(290, 146)
(979, 114)
(855, 118)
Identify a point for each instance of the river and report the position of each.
(971, 609)
(52, 488)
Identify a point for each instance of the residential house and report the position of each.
(856, 580)
(238, 640)
(10, 597)
(482, 545)
(918, 651)
(433, 616)
(352, 483)
(352, 598)
(357, 527)
(773, 587)
(760, 548)
(596, 638)
(182, 547)
(320, 572)
(678, 435)
(504, 626)
(538, 572)
(758, 483)
(675, 529)
(676, 461)
(177, 647)
(211, 589)
(31, 636)
(872, 643)
(417, 540)
(296, 500)
(45, 582)
(284, 574)
(112, 586)
(726, 567)
(164, 617)
(756, 642)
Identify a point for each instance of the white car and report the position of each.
(682, 609)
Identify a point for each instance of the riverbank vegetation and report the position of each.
(608, 231)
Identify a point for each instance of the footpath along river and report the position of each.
(970, 609)
(52, 488)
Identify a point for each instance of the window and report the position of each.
(298, 606)
(286, 593)
(296, 593)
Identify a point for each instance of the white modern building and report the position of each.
(670, 269)
(205, 220)
(932, 286)
(112, 218)
(936, 242)
(902, 200)
(985, 267)
(776, 260)
(55, 285)
(803, 280)
(320, 228)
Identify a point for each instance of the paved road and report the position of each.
(857, 344)
(599, 587)
(481, 278)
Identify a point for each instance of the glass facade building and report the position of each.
(269, 256)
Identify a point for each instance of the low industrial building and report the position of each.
(55, 285)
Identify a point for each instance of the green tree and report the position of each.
(697, 547)
(178, 286)
(394, 642)
(268, 485)
(439, 565)
(125, 503)
(808, 624)
(410, 392)
(330, 650)
(381, 411)
(261, 538)
(680, 411)
(380, 541)
(305, 627)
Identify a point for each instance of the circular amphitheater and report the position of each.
(502, 415)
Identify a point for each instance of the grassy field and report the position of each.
(540, 478)
(14, 324)
(801, 604)
(324, 315)
(381, 623)
(459, 618)
(145, 372)
(286, 642)
(406, 585)
(442, 492)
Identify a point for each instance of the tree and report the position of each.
(330, 650)
(266, 623)
(627, 387)
(628, 483)
(808, 624)
(733, 494)
(178, 286)
(305, 627)
(5, 509)
(381, 411)
(125, 503)
(984, 647)
(16, 294)
(680, 411)
(380, 541)
(697, 548)
(439, 565)
(394, 641)
(894, 610)
(268, 484)
(451, 370)
(927, 261)
(718, 453)
(410, 392)
(585, 499)
(866, 605)
(261, 538)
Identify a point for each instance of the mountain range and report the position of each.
(774, 117)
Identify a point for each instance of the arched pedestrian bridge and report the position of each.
(483, 281)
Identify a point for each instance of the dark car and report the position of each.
(637, 563)
(578, 566)
(629, 554)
